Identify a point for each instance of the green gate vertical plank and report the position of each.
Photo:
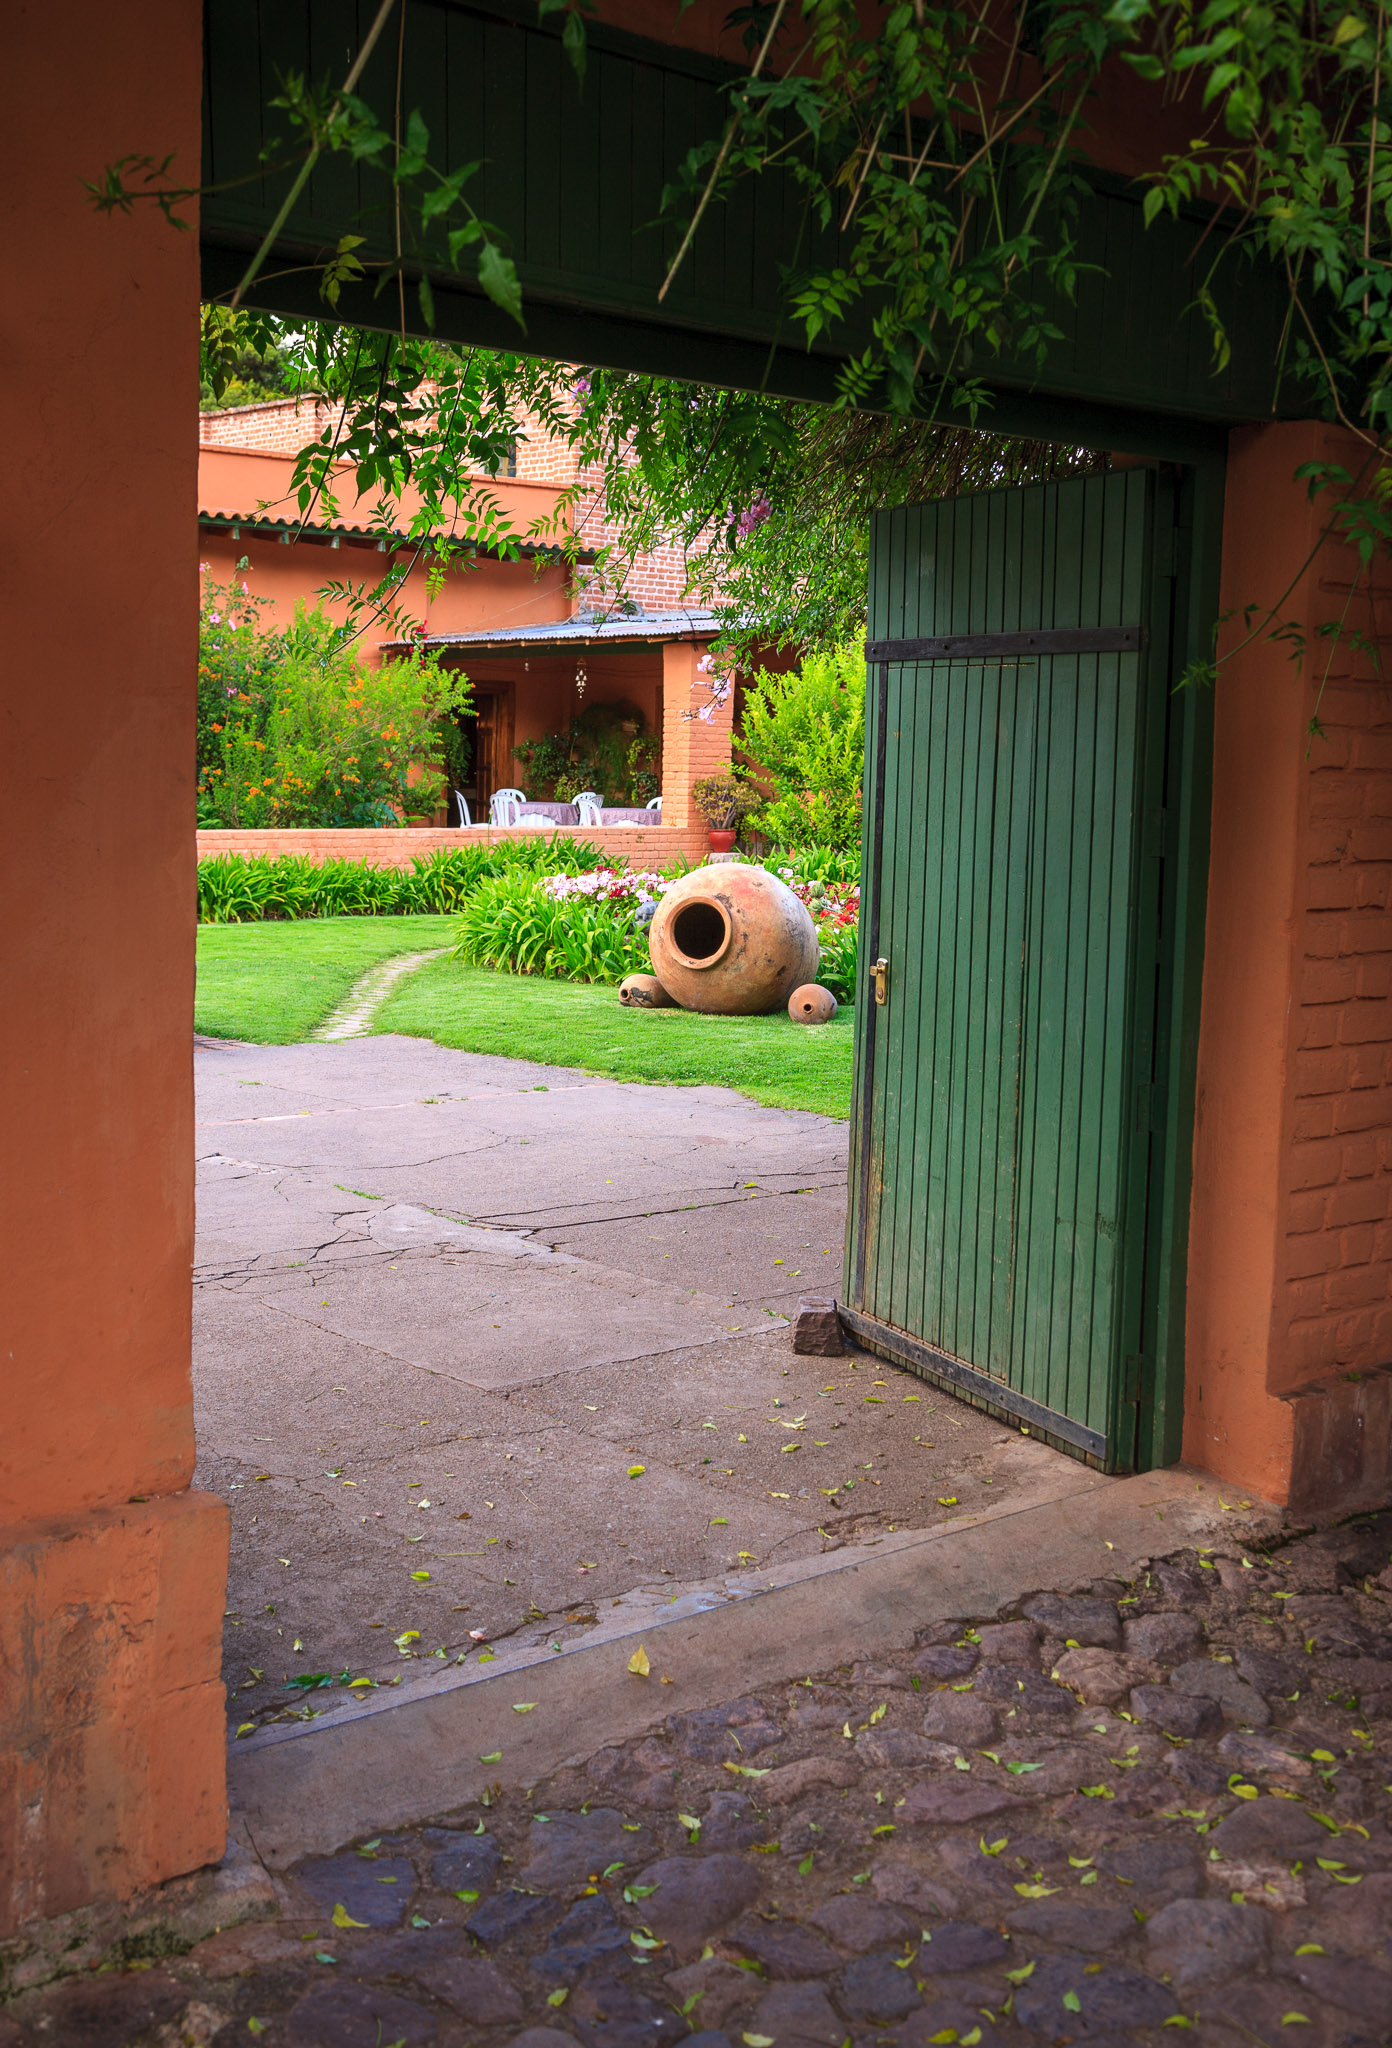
(901, 943)
(1000, 1041)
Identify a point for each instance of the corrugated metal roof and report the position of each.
(694, 622)
(258, 526)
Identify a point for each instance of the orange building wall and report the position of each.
(112, 1573)
(477, 596)
(1290, 1276)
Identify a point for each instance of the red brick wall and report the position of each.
(282, 426)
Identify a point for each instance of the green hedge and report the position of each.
(238, 888)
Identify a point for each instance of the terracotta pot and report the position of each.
(811, 1004)
(643, 992)
(721, 841)
(732, 941)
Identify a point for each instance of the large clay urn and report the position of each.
(732, 940)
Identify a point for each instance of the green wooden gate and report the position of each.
(1009, 1109)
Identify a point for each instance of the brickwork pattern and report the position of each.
(640, 845)
(1338, 1272)
(655, 581)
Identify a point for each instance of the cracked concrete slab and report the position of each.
(484, 1346)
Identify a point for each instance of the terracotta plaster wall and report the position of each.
(113, 1772)
(1290, 1289)
(487, 597)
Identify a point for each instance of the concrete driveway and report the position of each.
(481, 1345)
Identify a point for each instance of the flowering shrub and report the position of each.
(638, 891)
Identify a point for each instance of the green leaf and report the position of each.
(497, 274)
(558, 1997)
(1072, 2001)
(574, 44)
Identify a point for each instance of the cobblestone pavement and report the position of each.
(1106, 1817)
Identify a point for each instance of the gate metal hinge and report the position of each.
(1150, 1106)
(1133, 1375)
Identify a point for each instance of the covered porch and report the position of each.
(529, 682)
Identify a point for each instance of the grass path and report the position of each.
(275, 982)
(284, 981)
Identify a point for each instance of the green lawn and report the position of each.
(572, 1024)
(274, 982)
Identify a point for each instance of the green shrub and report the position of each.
(840, 944)
(236, 888)
(804, 733)
(833, 866)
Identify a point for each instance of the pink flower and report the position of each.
(754, 515)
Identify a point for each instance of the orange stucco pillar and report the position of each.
(112, 1573)
(1289, 1323)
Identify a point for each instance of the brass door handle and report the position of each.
(881, 982)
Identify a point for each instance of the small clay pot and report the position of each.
(644, 992)
(721, 841)
(811, 1004)
(732, 941)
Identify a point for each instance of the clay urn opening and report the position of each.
(701, 932)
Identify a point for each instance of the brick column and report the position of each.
(112, 1573)
(1290, 1272)
(692, 747)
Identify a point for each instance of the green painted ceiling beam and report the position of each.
(575, 179)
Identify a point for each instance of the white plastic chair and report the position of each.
(589, 803)
(500, 805)
(463, 803)
(655, 804)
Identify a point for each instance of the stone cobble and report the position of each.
(1114, 1816)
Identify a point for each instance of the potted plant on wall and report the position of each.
(723, 801)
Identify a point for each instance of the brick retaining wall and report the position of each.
(640, 845)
